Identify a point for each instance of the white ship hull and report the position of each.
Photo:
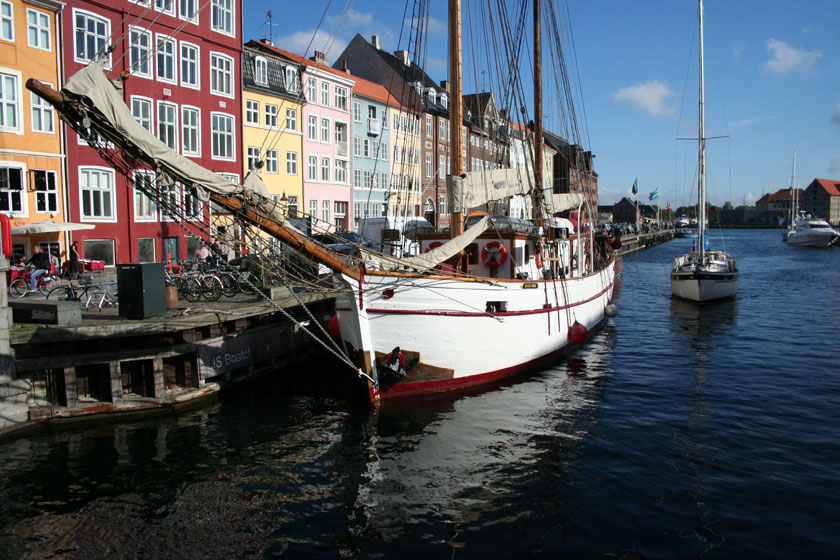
(466, 332)
(818, 239)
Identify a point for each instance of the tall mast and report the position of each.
(793, 193)
(701, 195)
(456, 216)
(538, 112)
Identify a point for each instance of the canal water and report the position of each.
(680, 432)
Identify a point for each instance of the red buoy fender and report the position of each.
(333, 328)
(578, 333)
(493, 254)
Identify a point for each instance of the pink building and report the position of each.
(327, 129)
(183, 58)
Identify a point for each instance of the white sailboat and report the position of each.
(498, 298)
(703, 275)
(804, 230)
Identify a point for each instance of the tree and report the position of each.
(728, 206)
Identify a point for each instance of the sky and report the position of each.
(772, 72)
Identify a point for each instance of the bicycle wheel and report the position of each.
(246, 283)
(211, 288)
(229, 287)
(18, 288)
(62, 293)
(47, 284)
(189, 289)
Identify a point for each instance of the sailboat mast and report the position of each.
(701, 195)
(793, 193)
(456, 111)
(538, 111)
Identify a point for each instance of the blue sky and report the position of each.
(772, 85)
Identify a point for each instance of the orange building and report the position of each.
(31, 160)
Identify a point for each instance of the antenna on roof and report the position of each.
(271, 26)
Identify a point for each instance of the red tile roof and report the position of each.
(312, 64)
(831, 186)
(375, 91)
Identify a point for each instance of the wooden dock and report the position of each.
(635, 242)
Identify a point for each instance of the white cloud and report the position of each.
(785, 59)
(834, 166)
(738, 53)
(651, 97)
(754, 120)
(323, 41)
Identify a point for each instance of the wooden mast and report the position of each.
(538, 113)
(456, 144)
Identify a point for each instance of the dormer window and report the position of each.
(261, 71)
(444, 101)
(292, 85)
(417, 87)
(430, 94)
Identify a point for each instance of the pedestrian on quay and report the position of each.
(74, 260)
(202, 253)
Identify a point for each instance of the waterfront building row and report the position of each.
(366, 137)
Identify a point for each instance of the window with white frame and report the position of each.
(193, 207)
(312, 168)
(252, 111)
(428, 126)
(396, 122)
(96, 188)
(313, 209)
(46, 190)
(261, 70)
(141, 109)
(221, 127)
(140, 52)
(325, 211)
(441, 164)
(7, 21)
(383, 152)
(291, 163)
(325, 94)
(145, 210)
(190, 131)
(222, 16)
(291, 119)
(366, 178)
(357, 211)
(325, 131)
(357, 146)
(429, 165)
(170, 193)
(292, 79)
(270, 115)
(91, 36)
(312, 128)
(189, 65)
(340, 212)
(357, 178)
(340, 171)
(11, 189)
(310, 90)
(271, 165)
(366, 147)
(253, 157)
(188, 9)
(385, 118)
(292, 207)
(165, 60)
(42, 114)
(38, 25)
(221, 74)
(325, 169)
(340, 98)
(165, 6)
(442, 205)
(357, 111)
(168, 124)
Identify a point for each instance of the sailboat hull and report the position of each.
(457, 333)
(704, 287)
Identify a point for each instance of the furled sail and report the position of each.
(560, 202)
(474, 189)
(106, 97)
(427, 261)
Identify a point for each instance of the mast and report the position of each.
(701, 195)
(793, 193)
(538, 113)
(456, 216)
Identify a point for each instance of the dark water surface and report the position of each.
(682, 431)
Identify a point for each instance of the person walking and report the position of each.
(74, 260)
(40, 263)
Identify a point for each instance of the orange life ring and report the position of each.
(539, 257)
(433, 245)
(494, 254)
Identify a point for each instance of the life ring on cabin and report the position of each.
(433, 245)
(494, 254)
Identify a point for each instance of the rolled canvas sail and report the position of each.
(475, 189)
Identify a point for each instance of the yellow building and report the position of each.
(272, 133)
(406, 188)
(31, 161)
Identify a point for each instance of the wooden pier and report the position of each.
(635, 242)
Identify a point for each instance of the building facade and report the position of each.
(822, 198)
(32, 181)
(182, 60)
(371, 149)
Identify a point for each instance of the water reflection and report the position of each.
(702, 330)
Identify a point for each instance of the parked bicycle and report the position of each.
(20, 286)
(96, 295)
(188, 288)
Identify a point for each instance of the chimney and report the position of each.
(268, 42)
(345, 67)
(374, 40)
(402, 56)
(318, 58)
(444, 84)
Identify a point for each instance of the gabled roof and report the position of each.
(830, 186)
(261, 45)
(782, 194)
